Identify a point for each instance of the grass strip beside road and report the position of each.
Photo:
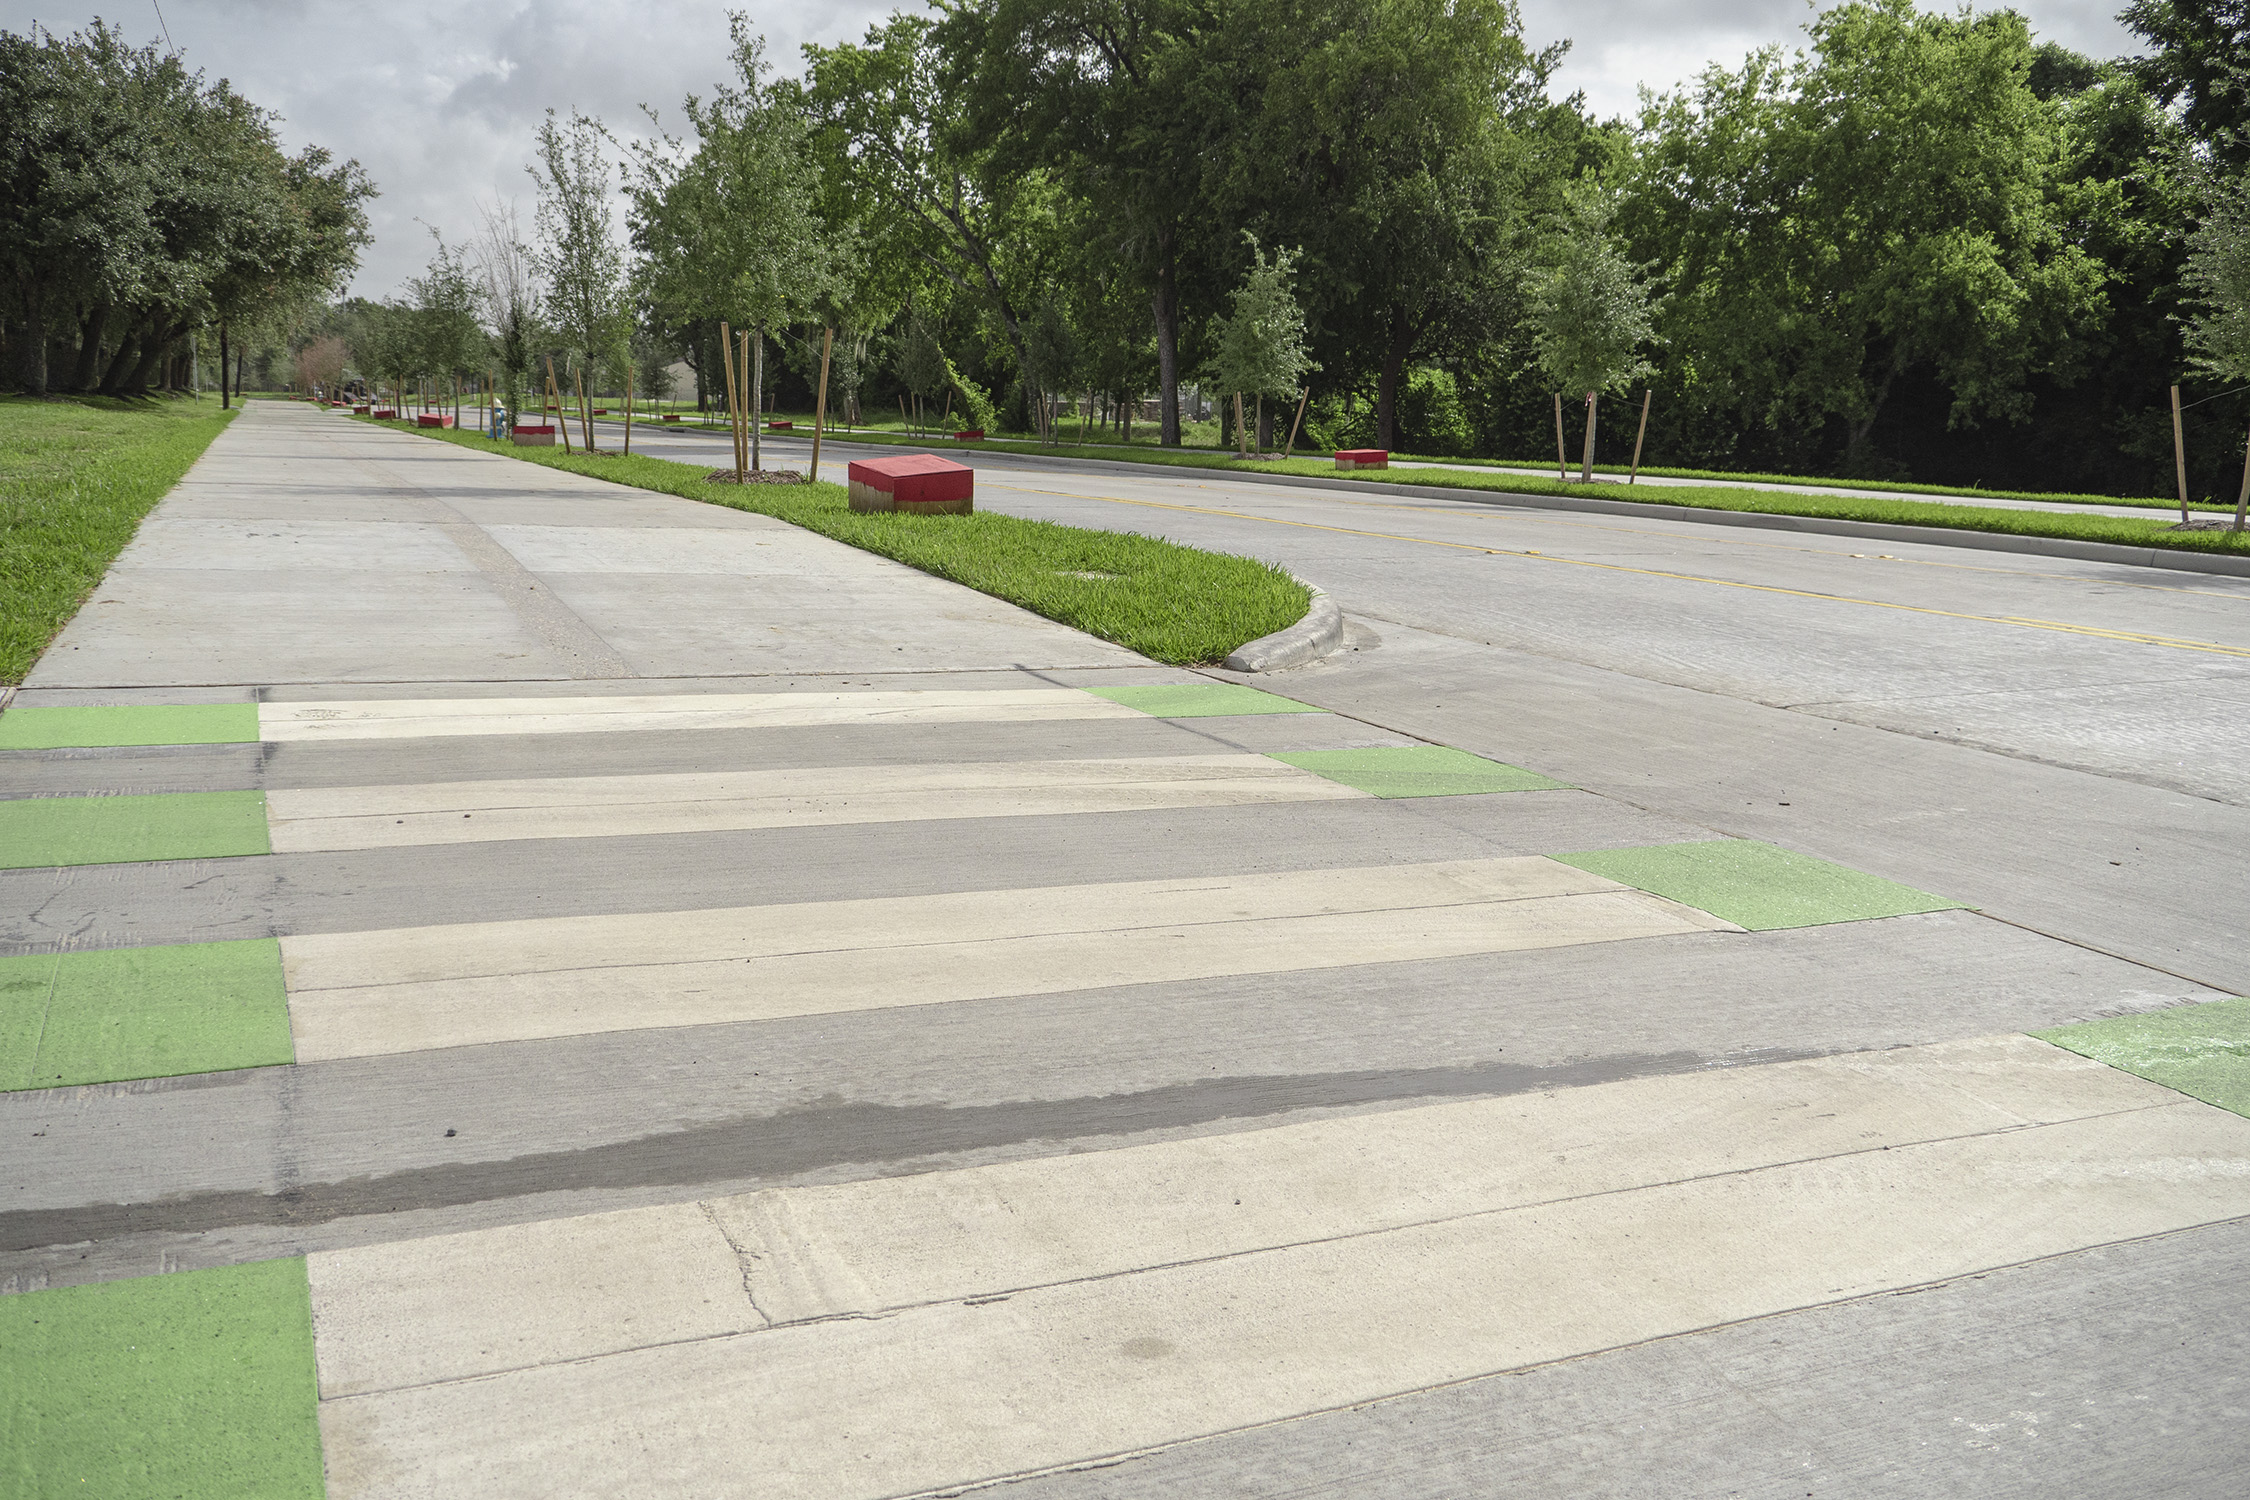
(2125, 531)
(1175, 604)
(76, 477)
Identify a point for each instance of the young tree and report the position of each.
(1590, 309)
(2217, 282)
(730, 227)
(1259, 347)
(577, 255)
(507, 282)
(450, 343)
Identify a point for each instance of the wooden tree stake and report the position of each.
(820, 402)
(2179, 453)
(2242, 501)
(1291, 446)
(1646, 397)
(1562, 454)
(628, 405)
(554, 395)
(757, 399)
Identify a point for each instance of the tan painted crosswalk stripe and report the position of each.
(895, 1337)
(356, 994)
(462, 812)
(418, 718)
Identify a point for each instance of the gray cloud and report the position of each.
(439, 100)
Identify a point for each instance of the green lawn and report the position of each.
(1175, 604)
(76, 476)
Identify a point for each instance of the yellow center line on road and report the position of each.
(2024, 622)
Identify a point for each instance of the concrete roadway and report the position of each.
(2064, 743)
(760, 1020)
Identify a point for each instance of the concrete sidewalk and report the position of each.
(583, 993)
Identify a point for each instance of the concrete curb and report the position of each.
(1320, 632)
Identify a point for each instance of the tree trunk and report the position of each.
(153, 344)
(120, 362)
(30, 355)
(90, 330)
(1265, 427)
(1856, 433)
(757, 397)
(224, 401)
(1386, 389)
(1586, 460)
(1167, 310)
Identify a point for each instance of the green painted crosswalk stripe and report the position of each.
(1756, 885)
(2201, 1050)
(165, 724)
(1418, 771)
(1202, 700)
(36, 831)
(100, 1017)
(197, 1384)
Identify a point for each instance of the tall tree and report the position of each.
(2201, 60)
(1889, 200)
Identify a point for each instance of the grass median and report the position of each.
(77, 474)
(1173, 603)
(2133, 531)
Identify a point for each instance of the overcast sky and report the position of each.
(439, 100)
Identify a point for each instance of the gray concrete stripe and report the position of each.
(189, 768)
(354, 890)
(612, 713)
(129, 770)
(270, 1161)
(418, 989)
(307, 820)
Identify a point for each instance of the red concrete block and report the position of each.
(601, 411)
(972, 435)
(671, 416)
(779, 426)
(363, 409)
(921, 483)
(432, 419)
(534, 437)
(384, 414)
(1363, 458)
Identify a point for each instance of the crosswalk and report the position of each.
(890, 1336)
